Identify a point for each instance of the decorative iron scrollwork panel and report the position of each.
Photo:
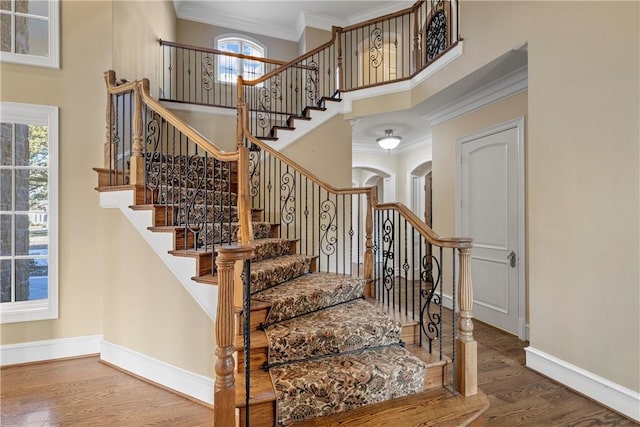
(376, 55)
(312, 79)
(287, 198)
(431, 278)
(388, 239)
(328, 227)
(436, 35)
(207, 73)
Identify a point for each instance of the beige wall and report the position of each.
(202, 35)
(137, 26)
(78, 89)
(312, 38)
(582, 171)
(146, 309)
(219, 129)
(325, 152)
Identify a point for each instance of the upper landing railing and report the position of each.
(386, 49)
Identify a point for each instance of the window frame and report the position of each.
(242, 39)
(50, 61)
(45, 115)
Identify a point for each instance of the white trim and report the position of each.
(403, 86)
(46, 115)
(519, 125)
(181, 267)
(36, 351)
(602, 390)
(197, 108)
(511, 84)
(170, 376)
(51, 61)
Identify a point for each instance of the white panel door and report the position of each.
(490, 214)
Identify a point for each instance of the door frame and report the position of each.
(518, 124)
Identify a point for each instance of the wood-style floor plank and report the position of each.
(84, 392)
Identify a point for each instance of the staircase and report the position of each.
(319, 347)
(328, 305)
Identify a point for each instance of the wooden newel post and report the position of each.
(466, 345)
(136, 163)
(368, 251)
(225, 385)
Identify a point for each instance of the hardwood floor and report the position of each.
(84, 392)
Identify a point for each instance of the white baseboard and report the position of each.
(602, 390)
(170, 376)
(36, 351)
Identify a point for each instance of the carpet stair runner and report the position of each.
(328, 350)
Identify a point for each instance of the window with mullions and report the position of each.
(28, 212)
(230, 67)
(29, 32)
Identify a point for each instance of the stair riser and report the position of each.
(259, 356)
(410, 333)
(260, 415)
(196, 215)
(258, 317)
(265, 279)
(182, 196)
(435, 377)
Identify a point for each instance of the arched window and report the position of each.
(231, 67)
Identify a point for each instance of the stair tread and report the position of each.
(436, 407)
(260, 388)
(271, 272)
(191, 253)
(310, 389)
(206, 279)
(350, 326)
(270, 247)
(308, 293)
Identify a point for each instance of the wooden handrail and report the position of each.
(143, 87)
(117, 89)
(221, 52)
(421, 226)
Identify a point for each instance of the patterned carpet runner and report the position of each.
(329, 349)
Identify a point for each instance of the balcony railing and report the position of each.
(386, 49)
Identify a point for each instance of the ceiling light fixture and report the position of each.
(388, 141)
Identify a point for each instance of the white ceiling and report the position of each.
(287, 20)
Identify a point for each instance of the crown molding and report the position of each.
(198, 12)
(379, 11)
(511, 84)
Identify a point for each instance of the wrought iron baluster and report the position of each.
(246, 323)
